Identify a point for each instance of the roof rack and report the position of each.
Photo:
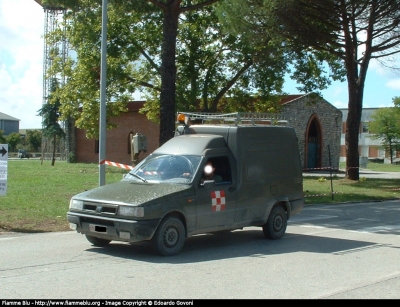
(237, 118)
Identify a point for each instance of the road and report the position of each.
(347, 251)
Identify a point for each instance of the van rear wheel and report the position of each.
(275, 227)
(169, 237)
(97, 241)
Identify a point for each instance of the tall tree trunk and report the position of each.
(168, 71)
(53, 159)
(356, 75)
(352, 134)
(356, 92)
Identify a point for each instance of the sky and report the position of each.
(21, 68)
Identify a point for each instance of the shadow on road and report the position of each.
(243, 243)
(372, 217)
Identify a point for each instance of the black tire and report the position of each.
(97, 241)
(275, 227)
(169, 237)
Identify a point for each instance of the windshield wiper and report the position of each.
(139, 177)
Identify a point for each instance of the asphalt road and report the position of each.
(348, 251)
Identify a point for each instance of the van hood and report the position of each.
(133, 192)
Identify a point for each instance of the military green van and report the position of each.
(165, 198)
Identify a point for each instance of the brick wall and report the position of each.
(117, 139)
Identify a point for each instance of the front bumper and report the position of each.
(111, 228)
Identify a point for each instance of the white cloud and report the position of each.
(21, 60)
(383, 69)
(394, 84)
(339, 90)
(339, 104)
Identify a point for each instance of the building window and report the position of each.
(365, 126)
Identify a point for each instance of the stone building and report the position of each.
(318, 127)
(317, 124)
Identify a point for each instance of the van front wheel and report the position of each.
(275, 227)
(169, 237)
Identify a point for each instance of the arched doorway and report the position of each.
(313, 143)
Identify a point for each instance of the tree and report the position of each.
(2, 138)
(13, 139)
(209, 65)
(396, 102)
(385, 126)
(171, 11)
(51, 114)
(215, 70)
(353, 32)
(34, 138)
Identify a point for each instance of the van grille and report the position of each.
(100, 208)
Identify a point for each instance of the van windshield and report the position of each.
(166, 168)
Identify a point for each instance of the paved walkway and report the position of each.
(363, 173)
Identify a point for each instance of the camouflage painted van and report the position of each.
(166, 198)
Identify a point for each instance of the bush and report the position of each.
(71, 158)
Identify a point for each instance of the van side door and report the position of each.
(216, 201)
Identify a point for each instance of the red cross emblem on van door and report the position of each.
(217, 201)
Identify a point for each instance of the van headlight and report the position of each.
(76, 204)
(131, 211)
